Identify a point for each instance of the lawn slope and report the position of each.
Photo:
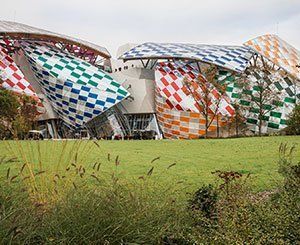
(191, 161)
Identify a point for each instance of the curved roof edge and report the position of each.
(14, 30)
(234, 58)
(277, 51)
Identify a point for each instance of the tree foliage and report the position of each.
(294, 121)
(17, 114)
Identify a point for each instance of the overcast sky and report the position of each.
(111, 23)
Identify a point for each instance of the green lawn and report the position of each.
(194, 159)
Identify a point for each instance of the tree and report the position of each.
(26, 117)
(261, 97)
(8, 111)
(17, 114)
(207, 94)
(239, 118)
(293, 122)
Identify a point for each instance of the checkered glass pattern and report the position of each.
(169, 78)
(277, 51)
(234, 58)
(287, 90)
(13, 79)
(77, 90)
(177, 124)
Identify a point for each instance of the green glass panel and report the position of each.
(42, 59)
(59, 67)
(115, 84)
(251, 120)
(86, 75)
(235, 95)
(98, 76)
(229, 89)
(47, 66)
(74, 74)
(80, 68)
(283, 121)
(93, 83)
(121, 91)
(70, 67)
(275, 114)
(245, 103)
(54, 73)
(290, 100)
(273, 125)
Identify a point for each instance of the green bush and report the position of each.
(204, 200)
(293, 122)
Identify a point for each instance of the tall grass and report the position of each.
(72, 201)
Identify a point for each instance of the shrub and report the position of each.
(293, 122)
(242, 216)
(204, 200)
(289, 168)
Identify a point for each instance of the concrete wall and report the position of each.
(140, 84)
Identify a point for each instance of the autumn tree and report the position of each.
(18, 113)
(207, 94)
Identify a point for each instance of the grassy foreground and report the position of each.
(191, 161)
(150, 192)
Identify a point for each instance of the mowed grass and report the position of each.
(188, 162)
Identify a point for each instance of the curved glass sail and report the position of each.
(278, 52)
(77, 90)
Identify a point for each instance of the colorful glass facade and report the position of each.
(278, 52)
(284, 92)
(77, 90)
(234, 58)
(13, 79)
